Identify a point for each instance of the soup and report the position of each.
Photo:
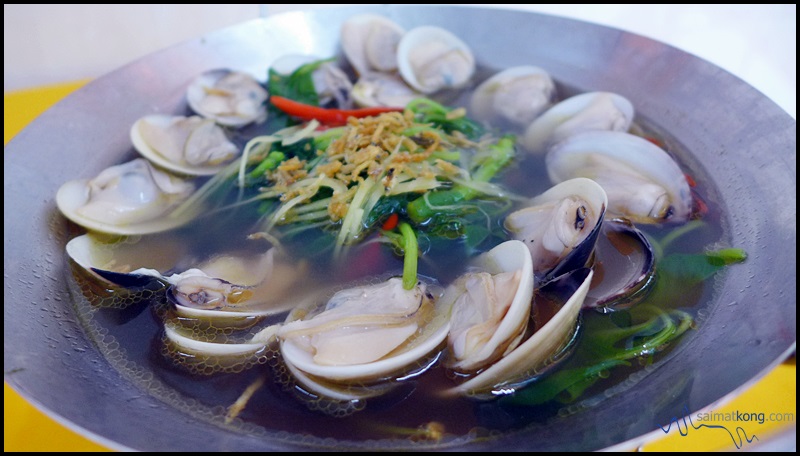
(257, 392)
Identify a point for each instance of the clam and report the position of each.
(244, 284)
(230, 98)
(109, 260)
(431, 59)
(383, 89)
(126, 199)
(369, 41)
(117, 272)
(365, 335)
(192, 146)
(644, 184)
(214, 308)
(539, 350)
(491, 307)
(332, 85)
(515, 97)
(560, 227)
(585, 112)
(235, 284)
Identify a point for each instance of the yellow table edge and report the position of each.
(25, 428)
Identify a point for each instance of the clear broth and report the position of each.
(131, 340)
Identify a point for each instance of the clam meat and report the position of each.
(365, 332)
(431, 59)
(370, 41)
(491, 307)
(131, 198)
(192, 146)
(514, 97)
(560, 226)
(643, 183)
(235, 285)
(230, 98)
(383, 89)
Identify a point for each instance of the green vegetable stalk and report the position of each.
(423, 208)
(271, 162)
(411, 252)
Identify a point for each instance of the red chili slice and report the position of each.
(334, 117)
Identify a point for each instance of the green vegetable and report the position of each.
(604, 346)
(613, 340)
(324, 139)
(297, 86)
(424, 208)
(268, 164)
(696, 268)
(566, 384)
(386, 206)
(429, 111)
(410, 251)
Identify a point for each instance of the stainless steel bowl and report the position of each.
(741, 142)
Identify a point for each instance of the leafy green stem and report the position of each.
(410, 254)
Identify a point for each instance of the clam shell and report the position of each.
(369, 41)
(266, 280)
(566, 240)
(427, 339)
(196, 138)
(643, 183)
(508, 257)
(534, 352)
(383, 89)
(113, 202)
(515, 96)
(627, 263)
(431, 59)
(212, 348)
(135, 256)
(230, 98)
(585, 112)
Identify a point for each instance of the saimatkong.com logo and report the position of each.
(742, 417)
(736, 429)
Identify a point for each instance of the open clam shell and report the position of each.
(192, 146)
(515, 96)
(137, 256)
(535, 353)
(490, 307)
(560, 227)
(127, 199)
(431, 59)
(585, 112)
(230, 98)
(365, 334)
(643, 183)
(383, 89)
(369, 41)
(233, 286)
(115, 272)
